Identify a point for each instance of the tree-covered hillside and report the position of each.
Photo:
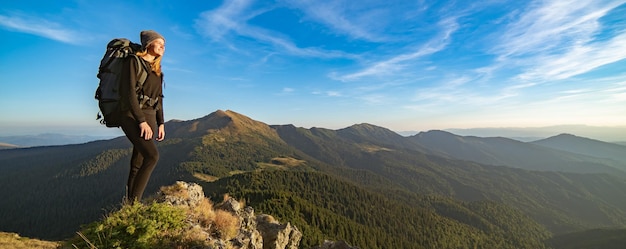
(563, 202)
(594, 238)
(358, 183)
(324, 207)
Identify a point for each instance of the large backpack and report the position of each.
(109, 73)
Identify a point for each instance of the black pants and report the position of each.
(145, 155)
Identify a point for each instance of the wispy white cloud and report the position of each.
(232, 18)
(619, 97)
(468, 90)
(604, 93)
(339, 17)
(328, 93)
(286, 91)
(227, 18)
(181, 32)
(557, 39)
(547, 25)
(375, 99)
(578, 60)
(615, 93)
(550, 40)
(40, 27)
(333, 94)
(397, 63)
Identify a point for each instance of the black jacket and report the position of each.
(152, 87)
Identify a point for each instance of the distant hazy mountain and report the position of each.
(585, 146)
(7, 146)
(513, 153)
(607, 134)
(49, 139)
(340, 184)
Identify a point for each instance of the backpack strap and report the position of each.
(142, 75)
(142, 71)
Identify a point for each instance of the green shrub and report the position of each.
(134, 226)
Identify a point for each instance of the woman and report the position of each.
(143, 119)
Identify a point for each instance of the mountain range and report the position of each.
(612, 134)
(564, 152)
(46, 139)
(615, 135)
(364, 184)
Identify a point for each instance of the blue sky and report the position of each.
(404, 65)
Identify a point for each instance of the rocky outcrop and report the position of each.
(276, 235)
(254, 231)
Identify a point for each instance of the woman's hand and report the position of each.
(161, 134)
(146, 131)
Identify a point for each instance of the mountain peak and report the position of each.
(241, 124)
(584, 146)
(434, 133)
(225, 122)
(240, 121)
(365, 125)
(372, 134)
(566, 135)
(566, 138)
(367, 129)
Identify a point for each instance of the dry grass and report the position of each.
(200, 222)
(372, 148)
(268, 218)
(14, 241)
(226, 223)
(236, 172)
(287, 161)
(220, 223)
(205, 177)
(195, 235)
(226, 197)
(281, 163)
(177, 189)
(204, 212)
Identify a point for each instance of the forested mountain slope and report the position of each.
(324, 207)
(586, 146)
(542, 195)
(62, 187)
(594, 238)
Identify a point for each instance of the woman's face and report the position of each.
(157, 47)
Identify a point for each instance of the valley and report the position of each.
(363, 184)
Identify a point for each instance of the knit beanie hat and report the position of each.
(148, 36)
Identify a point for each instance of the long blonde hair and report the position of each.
(155, 65)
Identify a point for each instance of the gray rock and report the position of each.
(248, 237)
(276, 235)
(255, 231)
(190, 195)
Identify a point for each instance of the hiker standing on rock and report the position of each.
(142, 116)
